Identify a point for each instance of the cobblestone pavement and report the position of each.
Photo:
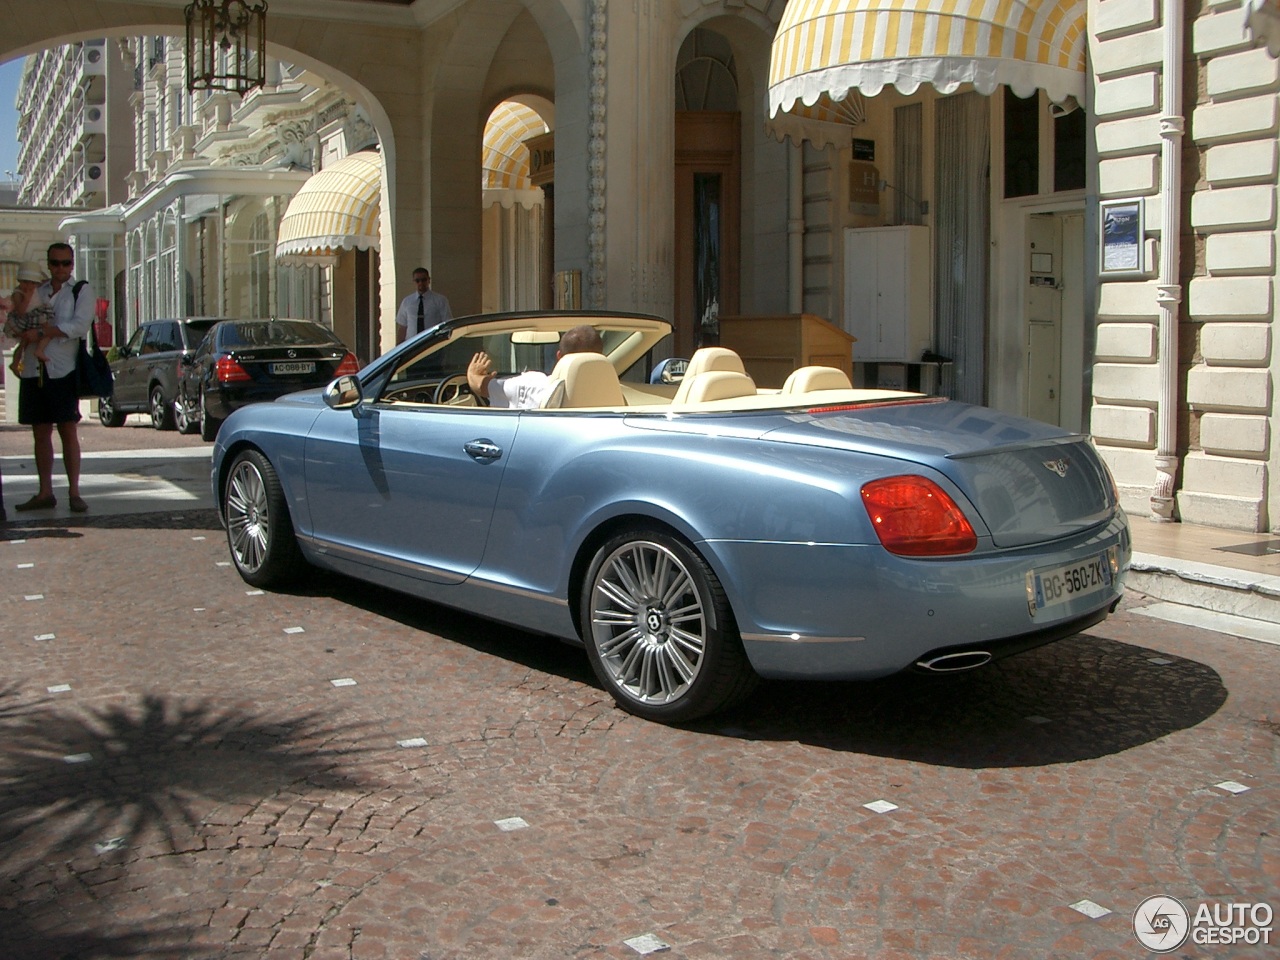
(194, 769)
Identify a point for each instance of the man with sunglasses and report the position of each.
(422, 309)
(47, 394)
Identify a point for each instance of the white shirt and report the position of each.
(527, 391)
(435, 309)
(73, 316)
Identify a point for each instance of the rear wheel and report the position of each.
(108, 413)
(161, 410)
(208, 425)
(259, 530)
(184, 418)
(659, 631)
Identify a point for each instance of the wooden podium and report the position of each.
(772, 347)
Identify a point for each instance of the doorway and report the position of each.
(707, 197)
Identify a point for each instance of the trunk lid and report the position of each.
(1029, 481)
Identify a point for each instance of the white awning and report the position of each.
(337, 208)
(1262, 23)
(826, 48)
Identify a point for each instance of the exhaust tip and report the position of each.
(956, 662)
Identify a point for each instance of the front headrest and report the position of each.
(588, 379)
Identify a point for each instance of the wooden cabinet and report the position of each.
(773, 346)
(888, 292)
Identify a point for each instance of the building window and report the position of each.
(261, 259)
(1069, 132)
(1021, 145)
(706, 77)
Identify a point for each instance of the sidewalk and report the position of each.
(1227, 572)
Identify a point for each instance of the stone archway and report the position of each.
(495, 51)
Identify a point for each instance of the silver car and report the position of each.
(694, 536)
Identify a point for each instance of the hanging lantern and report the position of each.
(226, 45)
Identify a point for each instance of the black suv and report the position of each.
(146, 371)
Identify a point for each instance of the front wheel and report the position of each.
(108, 413)
(259, 530)
(659, 631)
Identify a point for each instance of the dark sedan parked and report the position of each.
(147, 369)
(248, 361)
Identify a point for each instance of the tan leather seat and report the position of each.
(809, 379)
(585, 380)
(714, 385)
(707, 359)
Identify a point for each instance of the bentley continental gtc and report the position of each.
(694, 537)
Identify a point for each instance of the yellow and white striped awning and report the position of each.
(506, 158)
(337, 208)
(826, 48)
(1262, 23)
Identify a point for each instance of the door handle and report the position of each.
(482, 450)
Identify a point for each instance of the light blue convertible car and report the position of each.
(693, 536)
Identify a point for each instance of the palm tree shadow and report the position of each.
(27, 939)
(108, 781)
(1081, 698)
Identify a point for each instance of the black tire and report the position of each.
(259, 529)
(184, 420)
(658, 629)
(161, 410)
(108, 414)
(208, 425)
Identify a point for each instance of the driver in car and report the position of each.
(528, 390)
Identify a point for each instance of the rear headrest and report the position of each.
(588, 380)
(713, 358)
(715, 385)
(809, 379)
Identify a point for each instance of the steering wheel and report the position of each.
(453, 390)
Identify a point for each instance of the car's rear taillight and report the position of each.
(914, 517)
(349, 365)
(229, 371)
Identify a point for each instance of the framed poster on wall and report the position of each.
(1122, 229)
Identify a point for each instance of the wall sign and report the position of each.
(1121, 226)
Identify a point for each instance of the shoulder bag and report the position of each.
(93, 372)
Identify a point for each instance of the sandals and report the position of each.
(37, 503)
(77, 504)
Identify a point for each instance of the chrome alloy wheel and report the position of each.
(248, 516)
(648, 622)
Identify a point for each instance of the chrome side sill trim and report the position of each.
(796, 638)
(409, 568)
(517, 591)
(361, 555)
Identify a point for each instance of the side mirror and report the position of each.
(343, 394)
(670, 370)
(187, 359)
